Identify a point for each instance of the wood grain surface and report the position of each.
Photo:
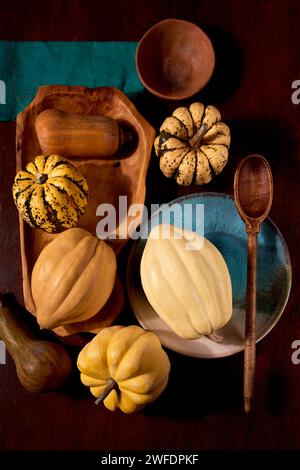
(121, 175)
(257, 53)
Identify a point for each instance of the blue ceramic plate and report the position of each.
(223, 227)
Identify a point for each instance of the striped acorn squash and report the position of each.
(50, 194)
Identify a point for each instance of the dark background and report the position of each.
(257, 46)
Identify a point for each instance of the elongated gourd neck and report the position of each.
(12, 331)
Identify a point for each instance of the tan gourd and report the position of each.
(125, 367)
(193, 144)
(80, 135)
(187, 282)
(42, 366)
(72, 278)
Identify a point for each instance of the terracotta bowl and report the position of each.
(175, 59)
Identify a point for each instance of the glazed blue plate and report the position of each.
(223, 226)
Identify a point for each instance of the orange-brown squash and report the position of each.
(72, 278)
(81, 135)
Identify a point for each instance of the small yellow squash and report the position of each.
(51, 194)
(192, 144)
(125, 367)
(72, 278)
(186, 281)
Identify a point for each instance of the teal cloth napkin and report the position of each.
(24, 66)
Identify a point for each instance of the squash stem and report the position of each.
(41, 178)
(196, 139)
(111, 385)
(216, 338)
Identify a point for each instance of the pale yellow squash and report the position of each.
(129, 363)
(190, 289)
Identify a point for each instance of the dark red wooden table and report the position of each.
(258, 58)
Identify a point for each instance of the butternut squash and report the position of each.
(79, 135)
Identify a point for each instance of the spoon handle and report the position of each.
(250, 329)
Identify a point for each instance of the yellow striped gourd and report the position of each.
(51, 194)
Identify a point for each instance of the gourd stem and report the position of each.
(215, 338)
(111, 385)
(41, 178)
(196, 139)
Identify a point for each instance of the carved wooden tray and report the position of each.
(107, 179)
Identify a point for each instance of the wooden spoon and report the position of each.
(253, 193)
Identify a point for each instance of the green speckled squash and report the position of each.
(193, 144)
(50, 194)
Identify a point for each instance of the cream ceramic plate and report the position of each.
(224, 228)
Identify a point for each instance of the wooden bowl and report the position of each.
(175, 59)
(107, 179)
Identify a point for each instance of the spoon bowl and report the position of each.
(253, 188)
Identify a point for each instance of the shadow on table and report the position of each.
(199, 387)
(276, 394)
(271, 137)
(226, 78)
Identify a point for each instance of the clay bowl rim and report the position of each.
(205, 38)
